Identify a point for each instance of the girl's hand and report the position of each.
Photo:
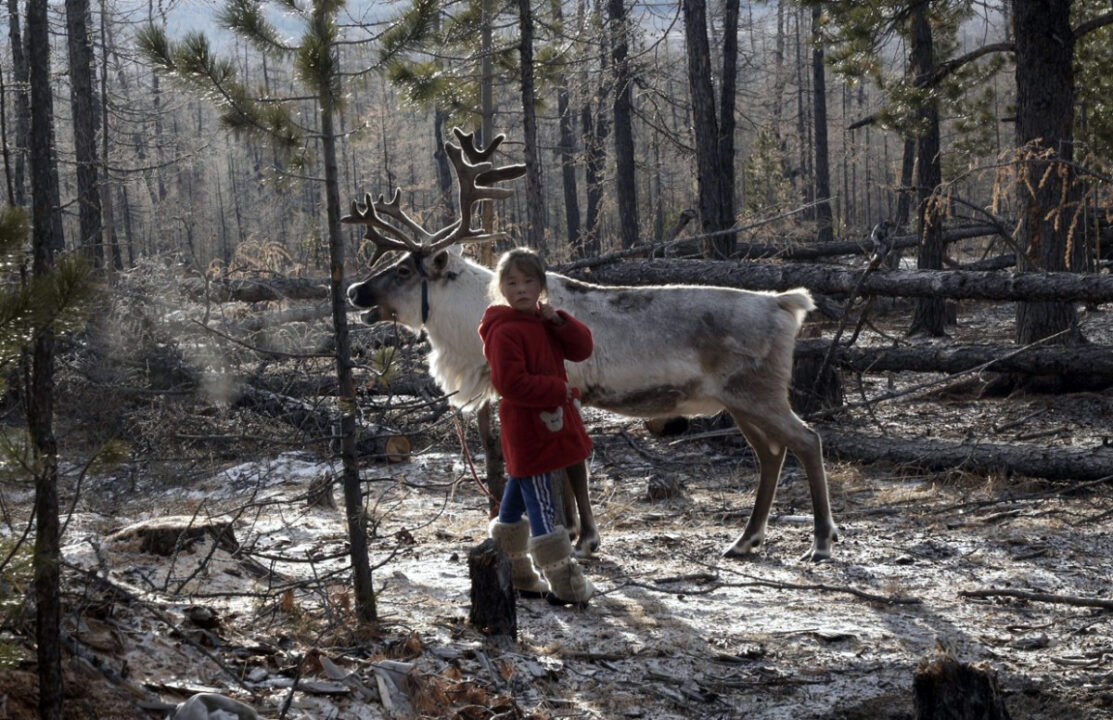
(547, 312)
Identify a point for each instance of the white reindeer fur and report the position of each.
(634, 350)
(659, 351)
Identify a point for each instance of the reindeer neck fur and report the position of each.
(457, 299)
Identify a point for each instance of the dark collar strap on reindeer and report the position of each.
(424, 290)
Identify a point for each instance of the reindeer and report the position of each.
(660, 351)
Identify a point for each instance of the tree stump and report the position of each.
(664, 487)
(168, 535)
(493, 610)
(946, 689)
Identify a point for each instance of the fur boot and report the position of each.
(553, 554)
(513, 538)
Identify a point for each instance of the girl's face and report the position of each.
(521, 291)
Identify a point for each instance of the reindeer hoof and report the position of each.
(821, 549)
(744, 546)
(587, 545)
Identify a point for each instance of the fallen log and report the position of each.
(322, 421)
(1091, 360)
(754, 251)
(1001, 262)
(257, 289)
(262, 321)
(936, 455)
(979, 285)
(816, 251)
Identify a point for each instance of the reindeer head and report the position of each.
(404, 285)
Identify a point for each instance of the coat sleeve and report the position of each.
(507, 359)
(574, 337)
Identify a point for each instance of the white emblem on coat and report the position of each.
(553, 419)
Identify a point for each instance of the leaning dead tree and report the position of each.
(974, 285)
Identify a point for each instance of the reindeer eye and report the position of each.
(404, 271)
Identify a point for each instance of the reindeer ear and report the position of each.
(438, 263)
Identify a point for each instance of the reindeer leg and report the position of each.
(770, 458)
(806, 445)
(496, 472)
(588, 542)
(566, 503)
(785, 430)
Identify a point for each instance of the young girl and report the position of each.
(526, 342)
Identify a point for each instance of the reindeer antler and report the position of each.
(476, 177)
(383, 234)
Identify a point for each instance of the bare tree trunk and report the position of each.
(907, 165)
(709, 135)
(724, 245)
(84, 130)
(22, 109)
(46, 239)
(112, 245)
(595, 129)
(353, 496)
(929, 317)
(8, 179)
(625, 184)
(823, 216)
(567, 145)
(444, 174)
(803, 129)
(535, 199)
(156, 94)
(1047, 200)
(487, 118)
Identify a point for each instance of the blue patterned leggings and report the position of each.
(532, 496)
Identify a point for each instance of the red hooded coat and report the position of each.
(541, 427)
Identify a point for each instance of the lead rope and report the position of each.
(495, 503)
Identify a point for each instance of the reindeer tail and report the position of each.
(797, 301)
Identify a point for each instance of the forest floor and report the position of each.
(675, 630)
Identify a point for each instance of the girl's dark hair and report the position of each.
(525, 261)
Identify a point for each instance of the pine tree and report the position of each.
(316, 62)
